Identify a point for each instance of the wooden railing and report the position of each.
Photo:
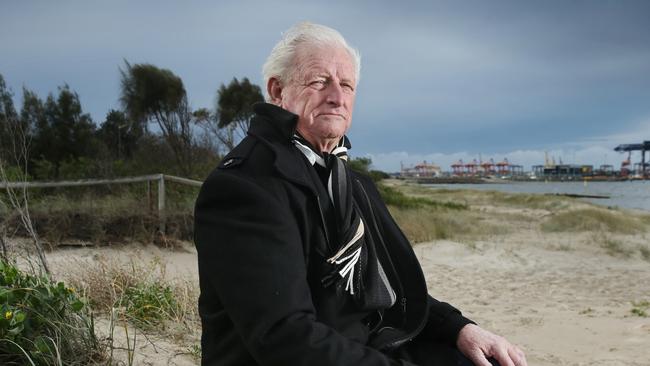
(159, 178)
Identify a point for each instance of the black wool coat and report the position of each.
(261, 233)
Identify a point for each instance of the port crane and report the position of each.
(643, 147)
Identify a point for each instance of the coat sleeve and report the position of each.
(251, 255)
(444, 322)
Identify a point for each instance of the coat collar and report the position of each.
(275, 127)
(273, 122)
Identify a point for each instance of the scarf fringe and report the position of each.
(349, 261)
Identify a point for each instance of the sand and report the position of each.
(562, 300)
(173, 346)
(563, 307)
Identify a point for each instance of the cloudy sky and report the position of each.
(440, 80)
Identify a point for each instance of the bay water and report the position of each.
(626, 194)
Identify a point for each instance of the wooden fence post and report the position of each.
(149, 197)
(161, 203)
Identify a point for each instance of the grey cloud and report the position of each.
(437, 76)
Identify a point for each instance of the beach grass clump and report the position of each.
(645, 219)
(645, 252)
(641, 308)
(538, 201)
(149, 304)
(396, 198)
(475, 197)
(519, 200)
(593, 219)
(141, 292)
(613, 247)
(424, 214)
(426, 224)
(421, 225)
(43, 322)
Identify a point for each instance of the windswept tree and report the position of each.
(120, 134)
(153, 95)
(234, 110)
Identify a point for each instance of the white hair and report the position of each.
(281, 62)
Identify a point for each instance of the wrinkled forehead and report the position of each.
(323, 59)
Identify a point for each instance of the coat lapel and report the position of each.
(275, 127)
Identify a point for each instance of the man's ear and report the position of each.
(274, 88)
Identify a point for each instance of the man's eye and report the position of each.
(318, 83)
(347, 87)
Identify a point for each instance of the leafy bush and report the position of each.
(80, 168)
(362, 166)
(378, 175)
(43, 322)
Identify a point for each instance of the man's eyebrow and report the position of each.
(321, 75)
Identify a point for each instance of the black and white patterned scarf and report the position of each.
(355, 264)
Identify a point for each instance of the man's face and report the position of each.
(321, 92)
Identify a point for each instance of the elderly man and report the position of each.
(300, 262)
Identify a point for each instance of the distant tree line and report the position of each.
(155, 131)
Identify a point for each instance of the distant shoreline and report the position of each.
(625, 194)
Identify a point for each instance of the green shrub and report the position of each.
(378, 175)
(80, 168)
(43, 321)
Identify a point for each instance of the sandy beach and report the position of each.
(563, 301)
(564, 307)
(574, 298)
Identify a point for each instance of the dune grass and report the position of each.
(645, 252)
(141, 292)
(487, 213)
(475, 197)
(424, 214)
(612, 246)
(593, 219)
(433, 223)
(396, 198)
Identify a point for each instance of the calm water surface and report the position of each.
(632, 194)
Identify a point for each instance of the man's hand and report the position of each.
(478, 345)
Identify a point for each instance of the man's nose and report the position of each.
(335, 94)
